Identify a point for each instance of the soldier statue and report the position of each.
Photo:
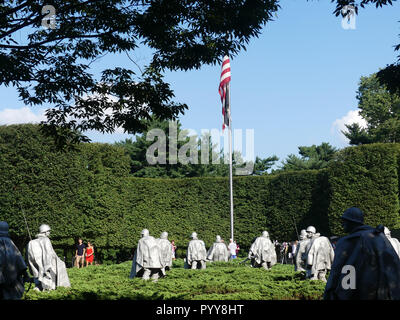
(319, 255)
(13, 270)
(147, 260)
(48, 270)
(395, 243)
(262, 252)
(166, 250)
(299, 264)
(366, 267)
(218, 251)
(196, 253)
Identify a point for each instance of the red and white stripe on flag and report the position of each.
(223, 88)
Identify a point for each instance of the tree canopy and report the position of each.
(52, 66)
(165, 150)
(48, 58)
(313, 157)
(381, 110)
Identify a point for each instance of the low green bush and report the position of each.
(219, 281)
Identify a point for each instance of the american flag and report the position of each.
(224, 90)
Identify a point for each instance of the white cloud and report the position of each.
(22, 115)
(26, 115)
(339, 125)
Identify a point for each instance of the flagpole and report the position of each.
(224, 92)
(230, 158)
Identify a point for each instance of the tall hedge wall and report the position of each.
(365, 177)
(89, 193)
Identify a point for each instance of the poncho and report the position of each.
(375, 263)
(263, 250)
(218, 252)
(12, 267)
(166, 252)
(45, 265)
(320, 254)
(147, 256)
(299, 264)
(196, 251)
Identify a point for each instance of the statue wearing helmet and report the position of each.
(48, 270)
(166, 250)
(218, 251)
(147, 260)
(318, 255)
(12, 267)
(262, 252)
(196, 253)
(299, 264)
(366, 267)
(394, 242)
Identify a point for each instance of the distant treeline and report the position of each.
(90, 193)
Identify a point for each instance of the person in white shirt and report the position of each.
(232, 249)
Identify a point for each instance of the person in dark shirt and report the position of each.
(80, 253)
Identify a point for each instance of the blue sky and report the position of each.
(294, 86)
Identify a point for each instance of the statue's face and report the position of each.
(345, 225)
(309, 234)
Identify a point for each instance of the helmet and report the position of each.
(303, 234)
(3, 228)
(353, 214)
(265, 234)
(145, 233)
(218, 239)
(311, 229)
(164, 235)
(193, 235)
(44, 228)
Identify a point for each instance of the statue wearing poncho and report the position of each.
(262, 252)
(166, 250)
(218, 251)
(365, 267)
(12, 267)
(299, 264)
(319, 255)
(147, 260)
(47, 268)
(196, 253)
(394, 242)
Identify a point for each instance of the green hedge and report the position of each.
(89, 193)
(365, 177)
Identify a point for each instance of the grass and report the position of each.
(220, 281)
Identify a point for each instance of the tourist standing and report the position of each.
(232, 247)
(80, 253)
(89, 253)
